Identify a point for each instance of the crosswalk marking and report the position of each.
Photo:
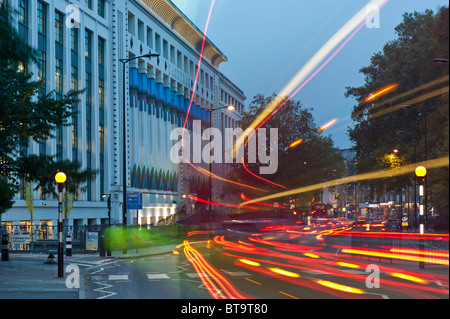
(157, 276)
(118, 277)
(197, 275)
(238, 273)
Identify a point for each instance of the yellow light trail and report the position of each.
(356, 21)
(343, 264)
(403, 170)
(408, 277)
(402, 95)
(416, 100)
(336, 286)
(284, 272)
(381, 92)
(327, 125)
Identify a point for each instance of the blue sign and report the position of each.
(134, 200)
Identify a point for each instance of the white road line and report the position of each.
(157, 276)
(102, 289)
(118, 277)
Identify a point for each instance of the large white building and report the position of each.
(80, 43)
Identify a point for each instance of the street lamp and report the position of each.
(421, 172)
(230, 108)
(108, 246)
(124, 204)
(440, 60)
(60, 178)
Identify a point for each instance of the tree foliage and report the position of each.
(313, 161)
(380, 125)
(27, 115)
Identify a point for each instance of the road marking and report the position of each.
(102, 289)
(287, 294)
(157, 276)
(197, 275)
(316, 272)
(236, 273)
(118, 277)
(255, 282)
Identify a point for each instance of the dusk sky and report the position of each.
(267, 42)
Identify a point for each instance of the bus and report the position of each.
(321, 210)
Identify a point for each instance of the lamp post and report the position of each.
(60, 178)
(425, 111)
(421, 172)
(414, 135)
(108, 246)
(230, 108)
(124, 168)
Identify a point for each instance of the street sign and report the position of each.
(20, 239)
(134, 200)
(92, 241)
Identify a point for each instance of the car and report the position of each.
(392, 225)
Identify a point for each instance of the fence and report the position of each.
(46, 238)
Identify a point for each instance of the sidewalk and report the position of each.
(26, 276)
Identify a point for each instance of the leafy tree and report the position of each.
(313, 161)
(26, 115)
(407, 61)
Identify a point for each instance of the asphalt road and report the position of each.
(214, 266)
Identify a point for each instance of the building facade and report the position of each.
(80, 44)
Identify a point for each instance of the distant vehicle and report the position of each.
(392, 225)
(320, 210)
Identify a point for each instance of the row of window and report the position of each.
(42, 20)
(168, 51)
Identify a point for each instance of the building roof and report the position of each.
(176, 20)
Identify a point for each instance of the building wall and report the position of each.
(158, 93)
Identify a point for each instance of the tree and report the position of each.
(313, 161)
(27, 114)
(407, 61)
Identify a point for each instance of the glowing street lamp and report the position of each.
(60, 178)
(421, 172)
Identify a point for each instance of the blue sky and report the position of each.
(267, 42)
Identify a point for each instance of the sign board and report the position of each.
(91, 241)
(20, 239)
(134, 200)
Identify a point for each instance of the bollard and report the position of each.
(102, 245)
(5, 251)
(69, 246)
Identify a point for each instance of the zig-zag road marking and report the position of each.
(105, 286)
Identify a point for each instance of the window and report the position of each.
(23, 12)
(74, 39)
(165, 49)
(59, 27)
(87, 43)
(101, 51)
(59, 76)
(101, 8)
(149, 37)
(42, 18)
(88, 3)
(41, 63)
(74, 78)
(158, 43)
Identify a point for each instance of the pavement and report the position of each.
(28, 276)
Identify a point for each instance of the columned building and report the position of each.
(80, 43)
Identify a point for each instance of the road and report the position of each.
(289, 263)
